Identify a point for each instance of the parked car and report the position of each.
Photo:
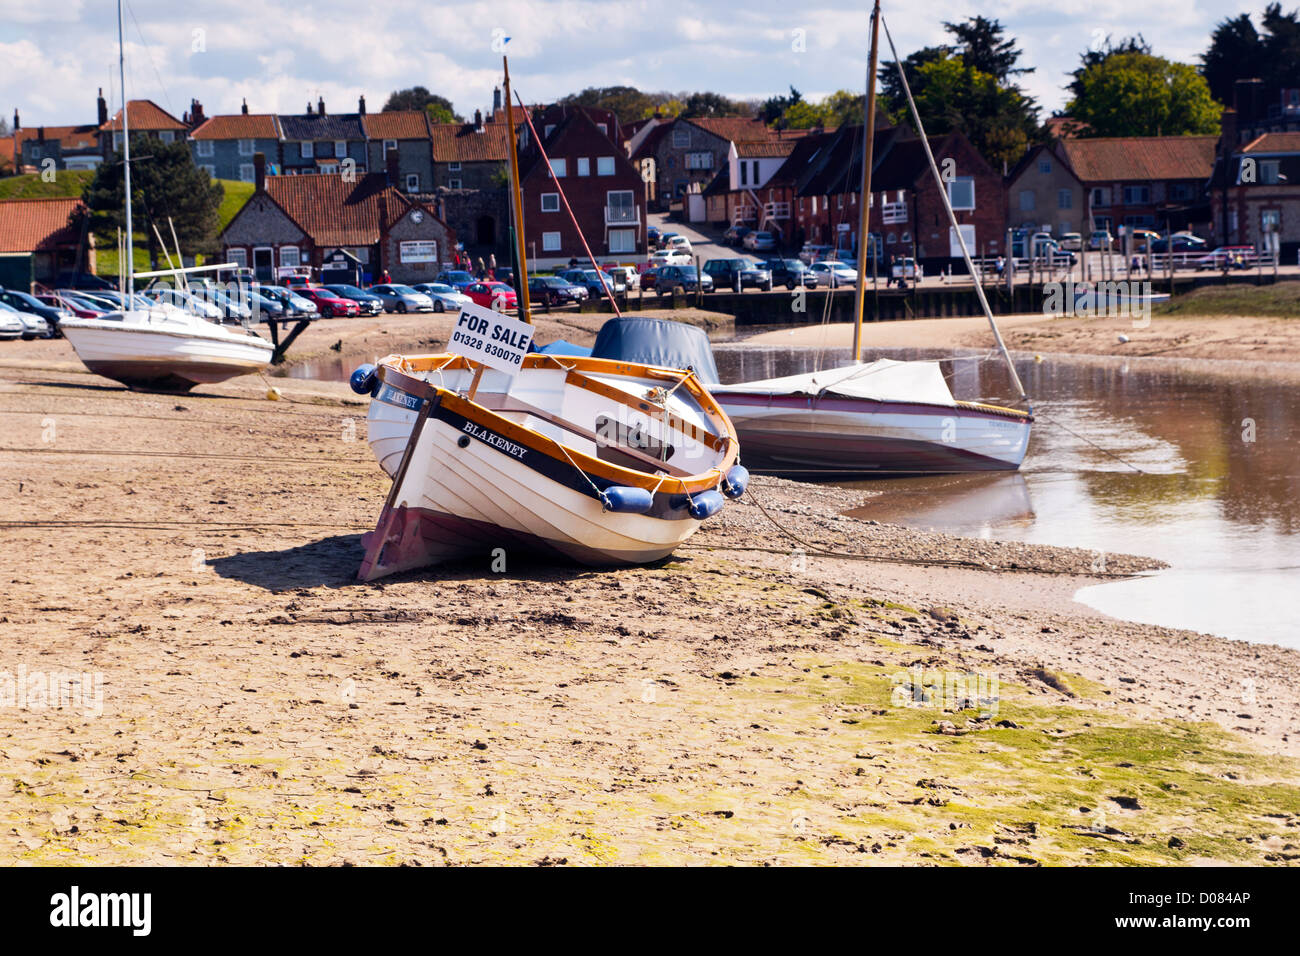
(735, 235)
(30, 324)
(761, 241)
(114, 301)
(328, 303)
(792, 273)
(445, 298)
(649, 277)
(58, 300)
(1099, 239)
(401, 298)
(652, 235)
(493, 295)
(165, 295)
(81, 304)
(727, 273)
(367, 302)
(669, 257)
(1235, 257)
(82, 280)
(664, 237)
(681, 279)
(1142, 239)
(25, 302)
(458, 279)
(811, 252)
(904, 268)
(1181, 242)
(590, 280)
(626, 275)
(12, 325)
(1072, 241)
(264, 307)
(554, 290)
(833, 273)
(295, 305)
(678, 244)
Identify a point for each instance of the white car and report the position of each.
(670, 258)
(678, 244)
(11, 323)
(445, 298)
(186, 302)
(626, 275)
(833, 273)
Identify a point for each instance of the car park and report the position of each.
(401, 298)
(295, 304)
(445, 298)
(367, 303)
(11, 323)
(682, 279)
(792, 273)
(328, 303)
(596, 283)
(493, 295)
(25, 302)
(555, 290)
(738, 273)
(832, 273)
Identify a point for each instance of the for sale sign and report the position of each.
(491, 338)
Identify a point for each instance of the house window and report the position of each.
(308, 149)
(238, 256)
(620, 206)
(245, 147)
(204, 147)
(550, 242)
(453, 184)
(814, 204)
(1026, 200)
(550, 202)
(1270, 220)
(961, 192)
(839, 201)
(603, 128)
(681, 138)
(362, 253)
(453, 167)
(1044, 166)
(210, 170)
(547, 130)
(622, 240)
(117, 139)
(584, 166)
(755, 172)
(744, 173)
(559, 167)
(891, 239)
(167, 136)
(1101, 197)
(290, 256)
(1268, 172)
(340, 148)
(699, 160)
(604, 165)
(1064, 199)
(1137, 195)
(390, 144)
(246, 172)
(412, 182)
(905, 238)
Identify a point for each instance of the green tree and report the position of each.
(626, 102)
(1137, 94)
(1235, 53)
(774, 107)
(983, 47)
(1098, 54)
(713, 104)
(165, 184)
(438, 107)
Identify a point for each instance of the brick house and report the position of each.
(1044, 194)
(225, 145)
(317, 142)
(603, 187)
(1144, 181)
(144, 117)
(688, 153)
(1262, 195)
(38, 241)
(408, 132)
(294, 221)
(471, 164)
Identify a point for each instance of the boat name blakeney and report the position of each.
(495, 440)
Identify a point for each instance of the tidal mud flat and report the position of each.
(812, 688)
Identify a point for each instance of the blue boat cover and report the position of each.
(659, 342)
(561, 347)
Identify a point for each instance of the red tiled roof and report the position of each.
(1274, 143)
(339, 213)
(772, 149)
(1141, 157)
(651, 141)
(28, 225)
(145, 115)
(396, 124)
(71, 137)
(461, 143)
(235, 126)
(737, 129)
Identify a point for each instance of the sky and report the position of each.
(280, 54)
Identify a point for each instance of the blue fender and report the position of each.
(737, 480)
(706, 504)
(626, 500)
(363, 380)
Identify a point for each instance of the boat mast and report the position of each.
(525, 307)
(952, 218)
(126, 157)
(864, 201)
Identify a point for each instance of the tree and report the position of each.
(982, 47)
(626, 102)
(998, 120)
(713, 104)
(1234, 53)
(438, 107)
(164, 183)
(1137, 94)
(774, 107)
(1098, 54)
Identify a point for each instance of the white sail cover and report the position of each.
(883, 380)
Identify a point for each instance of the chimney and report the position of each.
(103, 108)
(496, 100)
(361, 104)
(478, 121)
(244, 107)
(310, 111)
(390, 163)
(17, 124)
(320, 105)
(259, 171)
(196, 114)
(40, 134)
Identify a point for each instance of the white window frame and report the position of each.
(550, 242)
(626, 240)
(247, 173)
(453, 167)
(584, 165)
(953, 200)
(307, 149)
(203, 147)
(453, 184)
(389, 144)
(340, 148)
(238, 256)
(246, 147)
(559, 168)
(605, 166)
(412, 182)
(295, 259)
(554, 202)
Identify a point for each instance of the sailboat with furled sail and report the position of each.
(492, 446)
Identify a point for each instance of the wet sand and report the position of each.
(752, 700)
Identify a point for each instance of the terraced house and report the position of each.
(1261, 195)
(316, 142)
(225, 145)
(406, 132)
(687, 153)
(144, 117)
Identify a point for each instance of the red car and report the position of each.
(328, 303)
(487, 294)
(72, 305)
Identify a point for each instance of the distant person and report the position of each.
(492, 264)
(482, 269)
(1002, 265)
(385, 278)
